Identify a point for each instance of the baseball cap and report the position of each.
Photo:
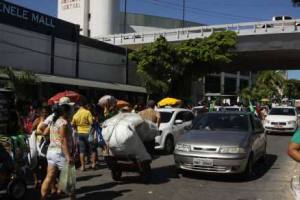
(65, 101)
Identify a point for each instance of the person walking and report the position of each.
(61, 147)
(82, 122)
(39, 133)
(150, 114)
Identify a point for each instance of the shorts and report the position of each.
(56, 159)
(84, 146)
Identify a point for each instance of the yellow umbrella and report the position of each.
(168, 102)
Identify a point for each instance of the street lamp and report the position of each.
(125, 16)
(183, 13)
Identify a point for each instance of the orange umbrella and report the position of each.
(74, 97)
(121, 104)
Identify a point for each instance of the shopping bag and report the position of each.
(91, 137)
(67, 179)
(100, 139)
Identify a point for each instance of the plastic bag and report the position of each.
(67, 179)
(33, 151)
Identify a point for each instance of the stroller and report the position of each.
(13, 162)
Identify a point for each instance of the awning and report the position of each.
(91, 84)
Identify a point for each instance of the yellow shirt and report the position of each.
(82, 120)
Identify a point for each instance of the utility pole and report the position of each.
(125, 16)
(183, 13)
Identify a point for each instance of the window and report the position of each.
(89, 16)
(188, 116)
(180, 116)
(165, 117)
(89, 33)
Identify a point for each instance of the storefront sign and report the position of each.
(21, 17)
(22, 13)
(70, 4)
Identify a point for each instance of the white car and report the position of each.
(281, 119)
(173, 122)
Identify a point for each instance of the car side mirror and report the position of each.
(178, 121)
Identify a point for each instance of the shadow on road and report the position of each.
(86, 178)
(260, 169)
(103, 195)
(280, 134)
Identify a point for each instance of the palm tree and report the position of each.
(19, 81)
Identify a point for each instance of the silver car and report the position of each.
(222, 142)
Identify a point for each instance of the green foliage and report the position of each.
(171, 68)
(19, 81)
(292, 89)
(268, 84)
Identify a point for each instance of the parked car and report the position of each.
(281, 119)
(222, 142)
(173, 122)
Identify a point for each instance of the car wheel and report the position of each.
(16, 189)
(248, 173)
(169, 145)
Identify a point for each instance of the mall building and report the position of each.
(101, 18)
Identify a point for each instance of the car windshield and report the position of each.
(231, 108)
(222, 122)
(165, 117)
(282, 111)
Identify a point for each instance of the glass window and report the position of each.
(282, 111)
(188, 116)
(180, 116)
(222, 122)
(165, 117)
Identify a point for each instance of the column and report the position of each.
(222, 86)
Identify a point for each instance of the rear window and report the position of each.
(282, 111)
(222, 122)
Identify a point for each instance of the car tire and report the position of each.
(16, 189)
(248, 173)
(263, 158)
(169, 145)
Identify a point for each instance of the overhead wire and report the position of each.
(201, 11)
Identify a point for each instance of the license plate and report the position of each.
(278, 126)
(203, 162)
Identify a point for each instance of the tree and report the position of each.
(19, 81)
(268, 84)
(155, 65)
(292, 89)
(170, 69)
(199, 57)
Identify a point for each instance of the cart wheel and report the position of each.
(16, 189)
(116, 174)
(146, 173)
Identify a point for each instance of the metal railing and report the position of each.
(173, 35)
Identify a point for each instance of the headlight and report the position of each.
(292, 122)
(232, 150)
(183, 147)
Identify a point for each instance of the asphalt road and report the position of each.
(270, 183)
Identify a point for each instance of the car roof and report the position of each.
(171, 109)
(230, 112)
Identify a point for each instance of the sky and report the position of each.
(202, 11)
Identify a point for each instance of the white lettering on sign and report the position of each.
(70, 4)
(26, 14)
